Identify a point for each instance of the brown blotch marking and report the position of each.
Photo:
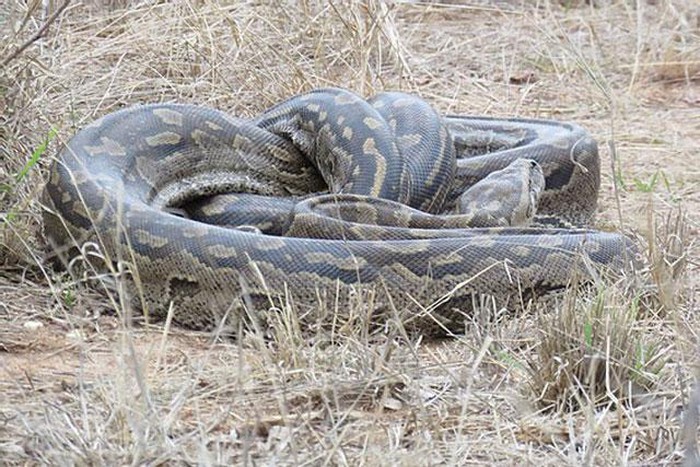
(484, 241)
(592, 246)
(370, 148)
(108, 146)
(341, 120)
(378, 104)
(200, 136)
(270, 244)
(345, 98)
(213, 126)
(522, 251)
(55, 177)
(167, 138)
(371, 123)
(147, 238)
(557, 241)
(398, 270)
(169, 116)
(141, 208)
(78, 207)
(322, 115)
(264, 226)
(219, 206)
(445, 140)
(195, 232)
(412, 139)
(416, 246)
(346, 264)
(564, 262)
(313, 107)
(347, 133)
(241, 141)
(221, 251)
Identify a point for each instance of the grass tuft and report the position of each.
(594, 351)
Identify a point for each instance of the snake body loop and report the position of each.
(326, 197)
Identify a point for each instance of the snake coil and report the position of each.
(324, 197)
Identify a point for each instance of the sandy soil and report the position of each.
(80, 387)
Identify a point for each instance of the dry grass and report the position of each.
(594, 377)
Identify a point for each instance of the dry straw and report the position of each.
(596, 376)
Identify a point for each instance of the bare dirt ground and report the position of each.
(78, 386)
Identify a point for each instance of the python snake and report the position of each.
(380, 201)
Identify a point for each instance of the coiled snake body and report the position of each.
(384, 168)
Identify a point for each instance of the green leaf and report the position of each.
(647, 187)
(588, 334)
(38, 152)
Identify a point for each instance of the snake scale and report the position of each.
(328, 197)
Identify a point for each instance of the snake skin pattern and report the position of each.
(329, 198)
